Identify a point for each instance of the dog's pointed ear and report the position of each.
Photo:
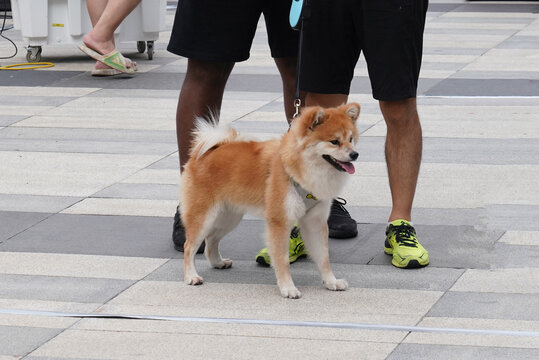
(317, 119)
(352, 110)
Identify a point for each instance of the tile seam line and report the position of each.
(337, 325)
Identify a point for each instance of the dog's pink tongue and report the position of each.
(348, 166)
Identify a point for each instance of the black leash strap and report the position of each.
(297, 99)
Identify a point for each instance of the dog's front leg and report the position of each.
(278, 238)
(314, 232)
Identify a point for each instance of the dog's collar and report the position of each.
(308, 199)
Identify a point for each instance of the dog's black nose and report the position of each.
(354, 155)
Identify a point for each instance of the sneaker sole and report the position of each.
(408, 263)
(262, 261)
(342, 234)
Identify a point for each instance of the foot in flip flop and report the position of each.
(111, 61)
(101, 69)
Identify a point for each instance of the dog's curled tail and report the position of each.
(210, 133)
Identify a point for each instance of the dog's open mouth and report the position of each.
(340, 165)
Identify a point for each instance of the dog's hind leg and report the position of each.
(314, 232)
(225, 222)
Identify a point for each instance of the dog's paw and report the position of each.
(290, 293)
(337, 285)
(225, 264)
(194, 280)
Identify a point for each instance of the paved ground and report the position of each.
(88, 187)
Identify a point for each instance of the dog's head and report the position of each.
(328, 136)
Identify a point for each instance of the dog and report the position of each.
(228, 175)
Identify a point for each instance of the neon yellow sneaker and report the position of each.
(296, 249)
(401, 242)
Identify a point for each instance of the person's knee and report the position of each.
(209, 73)
(401, 113)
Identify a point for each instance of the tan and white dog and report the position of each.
(228, 175)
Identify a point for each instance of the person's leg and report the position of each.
(106, 16)
(202, 92)
(109, 17)
(287, 69)
(403, 154)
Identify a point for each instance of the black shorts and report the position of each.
(223, 30)
(389, 32)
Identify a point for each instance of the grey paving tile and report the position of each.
(58, 358)
(35, 78)
(515, 256)
(305, 273)
(98, 235)
(57, 288)
(485, 19)
(454, 51)
(12, 223)
(6, 120)
(514, 217)
(485, 87)
(468, 74)
(452, 246)
(35, 203)
(451, 352)
(140, 191)
(460, 151)
(487, 306)
(422, 216)
(90, 135)
(18, 341)
(520, 42)
(498, 8)
(94, 147)
(34, 100)
(262, 126)
(169, 162)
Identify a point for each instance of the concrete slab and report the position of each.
(35, 203)
(485, 87)
(13, 223)
(55, 288)
(88, 234)
(140, 191)
(83, 266)
(305, 273)
(487, 306)
(450, 352)
(150, 346)
(16, 342)
(6, 120)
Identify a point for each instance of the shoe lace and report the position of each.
(405, 234)
(338, 206)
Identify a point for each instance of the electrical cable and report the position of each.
(4, 28)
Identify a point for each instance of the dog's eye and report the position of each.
(351, 139)
(335, 142)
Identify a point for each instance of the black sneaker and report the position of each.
(341, 225)
(178, 234)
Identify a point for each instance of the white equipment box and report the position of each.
(46, 22)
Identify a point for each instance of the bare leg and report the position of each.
(325, 100)
(201, 92)
(287, 69)
(403, 154)
(106, 16)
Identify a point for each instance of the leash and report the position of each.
(299, 11)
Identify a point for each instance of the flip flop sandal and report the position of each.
(112, 72)
(114, 59)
